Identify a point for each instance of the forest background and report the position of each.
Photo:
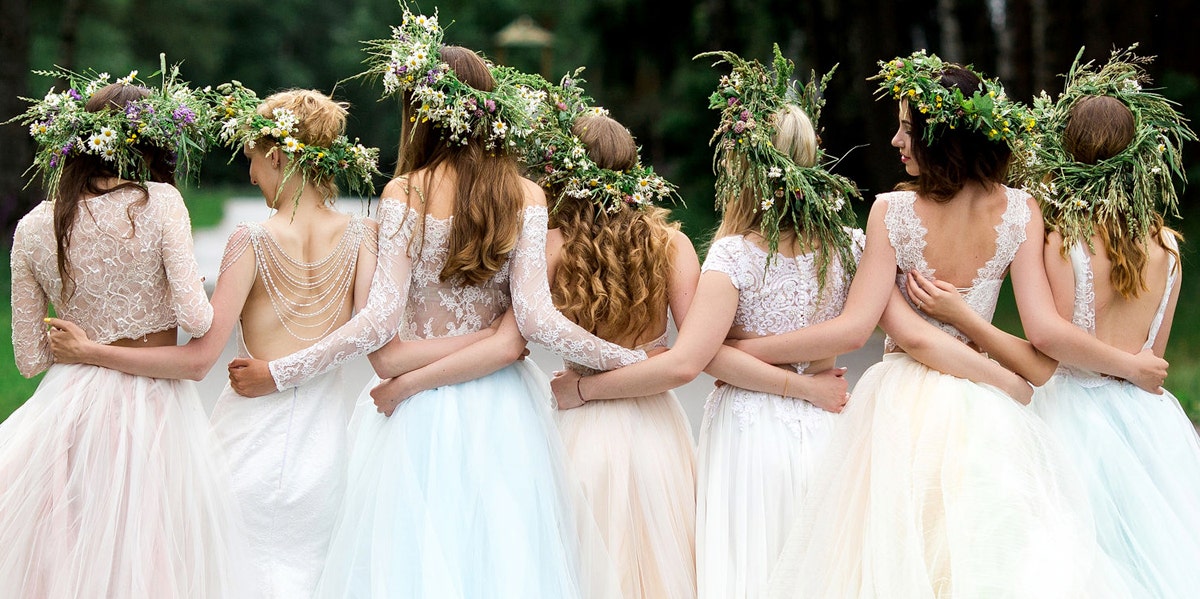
(639, 63)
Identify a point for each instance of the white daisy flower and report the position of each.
(767, 203)
(109, 153)
(775, 172)
(128, 79)
(291, 144)
(499, 128)
(97, 142)
(107, 133)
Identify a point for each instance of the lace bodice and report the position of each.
(130, 279)
(907, 236)
(1084, 313)
(406, 290)
(786, 296)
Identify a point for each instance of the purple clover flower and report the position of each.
(745, 116)
(184, 114)
(739, 126)
(490, 104)
(733, 101)
(74, 95)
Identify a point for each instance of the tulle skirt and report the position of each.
(111, 486)
(1140, 461)
(287, 453)
(757, 456)
(636, 462)
(939, 487)
(462, 494)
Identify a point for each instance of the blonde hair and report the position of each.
(796, 138)
(319, 121)
(615, 268)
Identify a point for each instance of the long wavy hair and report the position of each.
(488, 195)
(615, 268)
(1099, 128)
(84, 176)
(957, 155)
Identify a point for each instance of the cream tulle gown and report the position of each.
(937, 487)
(288, 450)
(111, 484)
(1138, 455)
(462, 493)
(758, 452)
(636, 462)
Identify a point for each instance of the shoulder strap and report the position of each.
(1172, 271)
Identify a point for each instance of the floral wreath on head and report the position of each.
(749, 99)
(988, 110)
(352, 164)
(410, 61)
(558, 159)
(1137, 181)
(172, 117)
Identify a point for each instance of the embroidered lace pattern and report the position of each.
(408, 287)
(1084, 313)
(130, 279)
(907, 235)
(783, 297)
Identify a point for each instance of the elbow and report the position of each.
(1040, 340)
(196, 370)
(511, 352)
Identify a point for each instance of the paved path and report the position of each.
(211, 242)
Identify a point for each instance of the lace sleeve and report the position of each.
(29, 302)
(192, 310)
(723, 258)
(235, 246)
(538, 319)
(377, 322)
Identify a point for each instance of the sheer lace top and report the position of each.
(907, 236)
(1084, 313)
(407, 298)
(784, 296)
(130, 279)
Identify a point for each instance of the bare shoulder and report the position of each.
(534, 194)
(397, 189)
(682, 245)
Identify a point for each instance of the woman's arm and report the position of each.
(29, 309)
(941, 300)
(869, 295)
(685, 276)
(190, 361)
(474, 361)
(934, 348)
(1058, 338)
(192, 309)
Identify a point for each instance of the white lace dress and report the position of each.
(1138, 454)
(110, 484)
(462, 492)
(938, 487)
(757, 451)
(288, 450)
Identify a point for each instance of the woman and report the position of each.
(284, 283)
(110, 484)
(936, 485)
(1114, 271)
(459, 491)
(767, 272)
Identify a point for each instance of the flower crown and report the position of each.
(410, 61)
(172, 117)
(557, 158)
(1136, 182)
(988, 110)
(749, 100)
(352, 164)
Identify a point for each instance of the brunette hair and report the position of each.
(488, 196)
(83, 174)
(615, 268)
(797, 139)
(319, 121)
(1098, 128)
(956, 156)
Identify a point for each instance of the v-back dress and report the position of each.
(463, 491)
(935, 486)
(111, 484)
(1138, 455)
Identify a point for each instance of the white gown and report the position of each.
(1138, 455)
(111, 485)
(287, 452)
(939, 487)
(462, 492)
(758, 452)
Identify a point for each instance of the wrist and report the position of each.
(579, 390)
